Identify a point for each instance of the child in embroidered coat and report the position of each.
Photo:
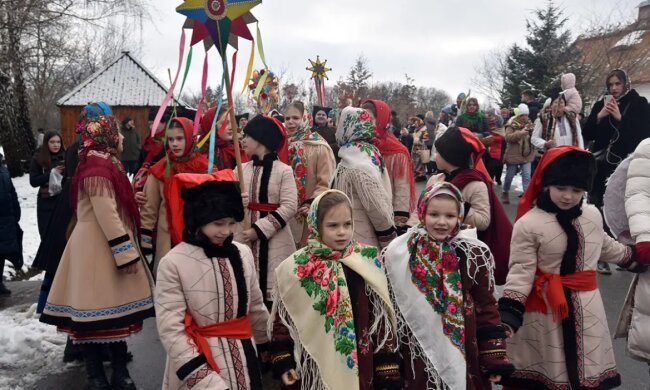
(448, 322)
(460, 157)
(551, 300)
(313, 164)
(209, 307)
(181, 158)
(362, 176)
(101, 291)
(333, 324)
(271, 188)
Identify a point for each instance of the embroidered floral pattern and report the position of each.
(358, 132)
(435, 272)
(297, 158)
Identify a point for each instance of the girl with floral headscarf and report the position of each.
(182, 157)
(332, 322)
(101, 292)
(313, 164)
(363, 177)
(448, 323)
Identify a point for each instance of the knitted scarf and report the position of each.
(313, 301)
(472, 121)
(189, 162)
(100, 172)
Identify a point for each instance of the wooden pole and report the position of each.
(235, 138)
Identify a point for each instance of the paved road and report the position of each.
(149, 356)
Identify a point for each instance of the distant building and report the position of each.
(627, 48)
(126, 85)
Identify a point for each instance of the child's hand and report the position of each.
(290, 377)
(140, 198)
(250, 235)
(130, 269)
(303, 211)
(495, 378)
(245, 199)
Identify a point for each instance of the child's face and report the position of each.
(252, 147)
(218, 231)
(566, 197)
(176, 141)
(292, 120)
(227, 132)
(336, 229)
(441, 218)
(443, 165)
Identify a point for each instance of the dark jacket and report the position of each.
(39, 176)
(534, 108)
(132, 144)
(329, 133)
(633, 128)
(10, 233)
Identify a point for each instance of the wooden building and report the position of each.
(126, 85)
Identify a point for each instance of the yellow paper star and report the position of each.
(319, 69)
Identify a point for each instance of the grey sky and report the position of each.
(438, 43)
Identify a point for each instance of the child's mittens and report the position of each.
(388, 371)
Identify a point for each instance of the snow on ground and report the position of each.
(29, 349)
(31, 238)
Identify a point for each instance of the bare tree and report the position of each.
(488, 74)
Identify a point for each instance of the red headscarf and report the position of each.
(224, 151)
(283, 150)
(389, 145)
(478, 149)
(189, 162)
(535, 186)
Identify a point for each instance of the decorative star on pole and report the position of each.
(319, 69)
(218, 22)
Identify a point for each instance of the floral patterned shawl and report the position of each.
(434, 279)
(313, 301)
(299, 156)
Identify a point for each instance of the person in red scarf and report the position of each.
(551, 302)
(181, 158)
(224, 149)
(399, 164)
(460, 156)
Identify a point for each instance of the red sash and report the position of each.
(578, 281)
(265, 207)
(239, 328)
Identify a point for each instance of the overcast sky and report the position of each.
(438, 43)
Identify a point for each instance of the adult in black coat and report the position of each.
(50, 155)
(11, 236)
(617, 124)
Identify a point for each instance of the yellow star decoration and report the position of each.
(319, 69)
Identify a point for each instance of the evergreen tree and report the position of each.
(541, 62)
(358, 77)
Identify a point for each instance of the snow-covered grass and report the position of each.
(28, 222)
(29, 349)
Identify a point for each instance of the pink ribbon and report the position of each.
(204, 83)
(170, 92)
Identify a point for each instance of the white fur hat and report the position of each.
(522, 109)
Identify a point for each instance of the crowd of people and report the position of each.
(307, 252)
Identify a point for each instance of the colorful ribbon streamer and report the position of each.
(204, 83)
(170, 92)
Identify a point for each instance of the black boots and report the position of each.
(72, 352)
(120, 378)
(94, 367)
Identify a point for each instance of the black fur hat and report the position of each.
(453, 148)
(574, 168)
(209, 202)
(265, 131)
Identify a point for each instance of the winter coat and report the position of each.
(635, 315)
(519, 149)
(132, 144)
(536, 349)
(212, 290)
(571, 94)
(562, 132)
(534, 108)
(275, 241)
(10, 232)
(154, 216)
(39, 176)
(329, 133)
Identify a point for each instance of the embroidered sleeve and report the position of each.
(281, 349)
(492, 351)
(122, 247)
(385, 237)
(288, 200)
(387, 373)
(615, 252)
